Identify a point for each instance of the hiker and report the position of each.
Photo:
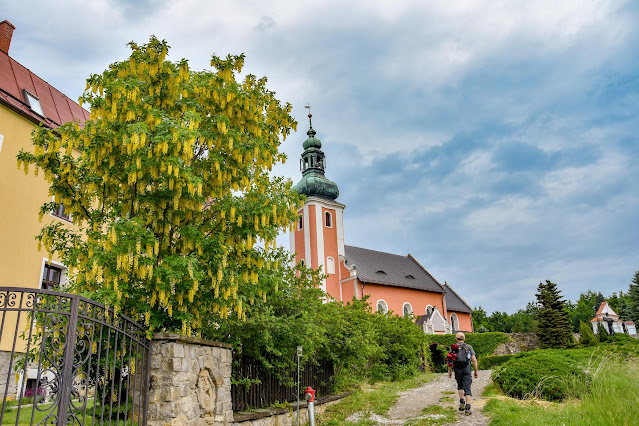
(460, 356)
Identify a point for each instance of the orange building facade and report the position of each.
(392, 283)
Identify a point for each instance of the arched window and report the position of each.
(302, 262)
(330, 265)
(300, 222)
(382, 307)
(408, 309)
(328, 219)
(429, 310)
(454, 322)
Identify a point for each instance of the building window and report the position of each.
(52, 277)
(408, 309)
(429, 310)
(300, 222)
(328, 219)
(454, 322)
(59, 212)
(330, 265)
(33, 102)
(382, 307)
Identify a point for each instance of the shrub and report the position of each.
(547, 374)
(491, 361)
(588, 337)
(483, 343)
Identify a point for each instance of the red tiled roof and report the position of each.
(57, 108)
(601, 307)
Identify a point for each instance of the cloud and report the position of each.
(495, 141)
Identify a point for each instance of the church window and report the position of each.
(454, 322)
(429, 310)
(330, 265)
(300, 222)
(408, 309)
(328, 219)
(382, 307)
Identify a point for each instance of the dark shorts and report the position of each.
(464, 378)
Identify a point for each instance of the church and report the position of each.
(392, 282)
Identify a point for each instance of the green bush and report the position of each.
(483, 343)
(549, 374)
(587, 336)
(491, 361)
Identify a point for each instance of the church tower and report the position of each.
(318, 236)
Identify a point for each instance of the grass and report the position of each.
(373, 399)
(11, 413)
(611, 400)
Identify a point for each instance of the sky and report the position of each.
(495, 141)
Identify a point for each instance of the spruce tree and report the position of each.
(633, 299)
(554, 327)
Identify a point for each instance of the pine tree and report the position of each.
(554, 329)
(633, 299)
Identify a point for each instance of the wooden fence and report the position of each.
(270, 390)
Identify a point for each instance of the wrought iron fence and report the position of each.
(255, 387)
(69, 360)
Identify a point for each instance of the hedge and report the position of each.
(484, 344)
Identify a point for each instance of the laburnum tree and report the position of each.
(554, 328)
(168, 188)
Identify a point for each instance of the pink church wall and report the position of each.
(395, 297)
(464, 319)
(299, 242)
(330, 250)
(312, 229)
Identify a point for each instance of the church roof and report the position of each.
(394, 270)
(454, 302)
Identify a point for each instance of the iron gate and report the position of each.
(70, 360)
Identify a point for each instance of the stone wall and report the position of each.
(5, 359)
(190, 382)
(520, 342)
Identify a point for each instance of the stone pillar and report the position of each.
(190, 381)
(6, 375)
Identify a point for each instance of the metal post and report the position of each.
(299, 355)
(66, 375)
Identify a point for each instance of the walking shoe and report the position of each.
(462, 405)
(468, 412)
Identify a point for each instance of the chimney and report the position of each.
(6, 31)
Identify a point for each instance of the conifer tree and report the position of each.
(554, 329)
(587, 336)
(633, 299)
(169, 189)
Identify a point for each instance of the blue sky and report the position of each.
(497, 142)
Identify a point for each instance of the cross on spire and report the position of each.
(310, 116)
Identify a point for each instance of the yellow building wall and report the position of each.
(21, 197)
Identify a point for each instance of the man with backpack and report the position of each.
(460, 358)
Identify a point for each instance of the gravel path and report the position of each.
(410, 404)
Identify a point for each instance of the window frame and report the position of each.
(300, 222)
(454, 322)
(404, 309)
(328, 219)
(330, 261)
(384, 309)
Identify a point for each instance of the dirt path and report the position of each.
(441, 391)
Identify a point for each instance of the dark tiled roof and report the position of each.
(454, 302)
(390, 269)
(57, 108)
